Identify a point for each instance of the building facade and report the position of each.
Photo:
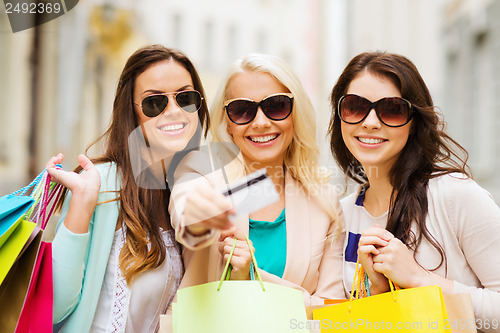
(472, 84)
(57, 82)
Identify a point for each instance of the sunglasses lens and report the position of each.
(189, 101)
(277, 107)
(353, 109)
(393, 111)
(154, 105)
(241, 111)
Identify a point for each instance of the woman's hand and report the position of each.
(241, 258)
(384, 255)
(397, 263)
(370, 243)
(207, 209)
(84, 188)
(85, 184)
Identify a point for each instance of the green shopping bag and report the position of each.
(239, 306)
(10, 251)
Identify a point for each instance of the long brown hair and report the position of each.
(428, 153)
(143, 211)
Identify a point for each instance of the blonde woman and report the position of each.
(263, 109)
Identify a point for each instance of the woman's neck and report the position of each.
(275, 170)
(277, 175)
(271, 212)
(378, 195)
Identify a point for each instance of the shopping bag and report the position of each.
(11, 249)
(15, 286)
(15, 227)
(239, 306)
(12, 208)
(37, 308)
(405, 310)
(36, 314)
(26, 292)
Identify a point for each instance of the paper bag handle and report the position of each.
(43, 193)
(360, 285)
(50, 191)
(253, 266)
(33, 183)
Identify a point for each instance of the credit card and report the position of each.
(251, 193)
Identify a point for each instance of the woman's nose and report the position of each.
(371, 120)
(260, 119)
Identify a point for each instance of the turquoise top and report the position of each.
(269, 241)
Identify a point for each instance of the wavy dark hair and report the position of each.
(142, 210)
(428, 153)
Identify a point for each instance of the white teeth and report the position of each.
(370, 140)
(175, 127)
(262, 139)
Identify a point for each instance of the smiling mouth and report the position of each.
(172, 128)
(263, 139)
(370, 141)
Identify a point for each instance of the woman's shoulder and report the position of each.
(106, 167)
(457, 189)
(349, 199)
(109, 176)
(453, 184)
(206, 160)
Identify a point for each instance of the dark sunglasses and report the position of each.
(188, 100)
(241, 111)
(391, 111)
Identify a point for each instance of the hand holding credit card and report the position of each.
(251, 193)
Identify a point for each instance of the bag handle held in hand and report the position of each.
(50, 190)
(43, 193)
(253, 266)
(361, 285)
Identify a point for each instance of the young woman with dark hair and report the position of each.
(116, 263)
(418, 218)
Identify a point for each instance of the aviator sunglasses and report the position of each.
(188, 100)
(391, 111)
(241, 111)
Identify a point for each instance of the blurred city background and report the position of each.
(57, 81)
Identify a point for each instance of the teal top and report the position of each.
(269, 241)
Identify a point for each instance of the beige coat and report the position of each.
(314, 240)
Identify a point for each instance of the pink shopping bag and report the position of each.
(36, 315)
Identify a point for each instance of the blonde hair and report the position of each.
(302, 155)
